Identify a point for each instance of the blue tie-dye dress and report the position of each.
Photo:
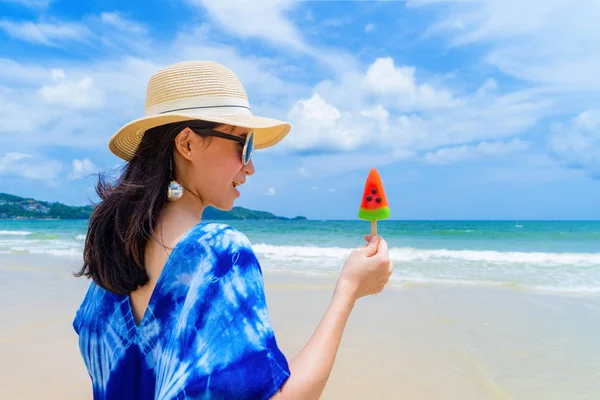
(206, 333)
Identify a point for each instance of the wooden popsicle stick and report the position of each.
(373, 228)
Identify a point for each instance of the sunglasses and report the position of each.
(248, 141)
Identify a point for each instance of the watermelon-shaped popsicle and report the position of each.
(374, 205)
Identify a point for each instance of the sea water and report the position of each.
(549, 256)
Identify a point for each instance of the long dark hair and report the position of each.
(125, 219)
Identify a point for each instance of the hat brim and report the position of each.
(267, 131)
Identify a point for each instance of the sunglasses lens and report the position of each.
(249, 148)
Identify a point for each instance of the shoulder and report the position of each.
(98, 304)
(211, 245)
(218, 237)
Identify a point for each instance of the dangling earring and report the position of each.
(175, 190)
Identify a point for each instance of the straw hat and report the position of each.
(196, 90)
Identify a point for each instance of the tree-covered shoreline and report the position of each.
(15, 207)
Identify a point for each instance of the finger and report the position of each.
(372, 248)
(367, 239)
(382, 247)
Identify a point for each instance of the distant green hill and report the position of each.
(15, 207)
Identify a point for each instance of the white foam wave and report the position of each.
(578, 289)
(497, 257)
(560, 273)
(407, 254)
(273, 251)
(80, 237)
(566, 290)
(15, 233)
(69, 252)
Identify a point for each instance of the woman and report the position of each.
(177, 307)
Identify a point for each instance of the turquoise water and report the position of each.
(558, 256)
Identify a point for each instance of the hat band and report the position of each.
(203, 106)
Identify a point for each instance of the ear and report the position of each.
(183, 143)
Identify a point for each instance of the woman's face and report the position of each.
(214, 167)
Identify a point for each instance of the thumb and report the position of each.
(371, 248)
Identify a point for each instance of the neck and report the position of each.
(189, 205)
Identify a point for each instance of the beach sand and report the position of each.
(409, 342)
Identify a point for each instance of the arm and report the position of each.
(366, 272)
(311, 368)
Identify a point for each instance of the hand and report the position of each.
(367, 270)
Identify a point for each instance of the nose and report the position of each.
(248, 169)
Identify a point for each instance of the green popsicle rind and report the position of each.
(374, 215)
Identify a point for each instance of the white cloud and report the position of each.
(30, 3)
(336, 22)
(271, 192)
(15, 116)
(480, 117)
(545, 41)
(28, 166)
(386, 112)
(369, 27)
(331, 165)
(577, 143)
(303, 172)
(259, 75)
(78, 93)
(529, 168)
(69, 102)
(108, 30)
(44, 33)
(80, 105)
(379, 115)
(384, 78)
(264, 19)
(525, 174)
(82, 169)
(455, 154)
(9, 158)
(270, 23)
(116, 20)
(353, 113)
(319, 125)
(317, 110)
(22, 75)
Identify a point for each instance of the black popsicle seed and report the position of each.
(374, 191)
(369, 198)
(378, 199)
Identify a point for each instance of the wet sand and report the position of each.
(409, 342)
(432, 342)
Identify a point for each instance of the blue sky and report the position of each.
(469, 110)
